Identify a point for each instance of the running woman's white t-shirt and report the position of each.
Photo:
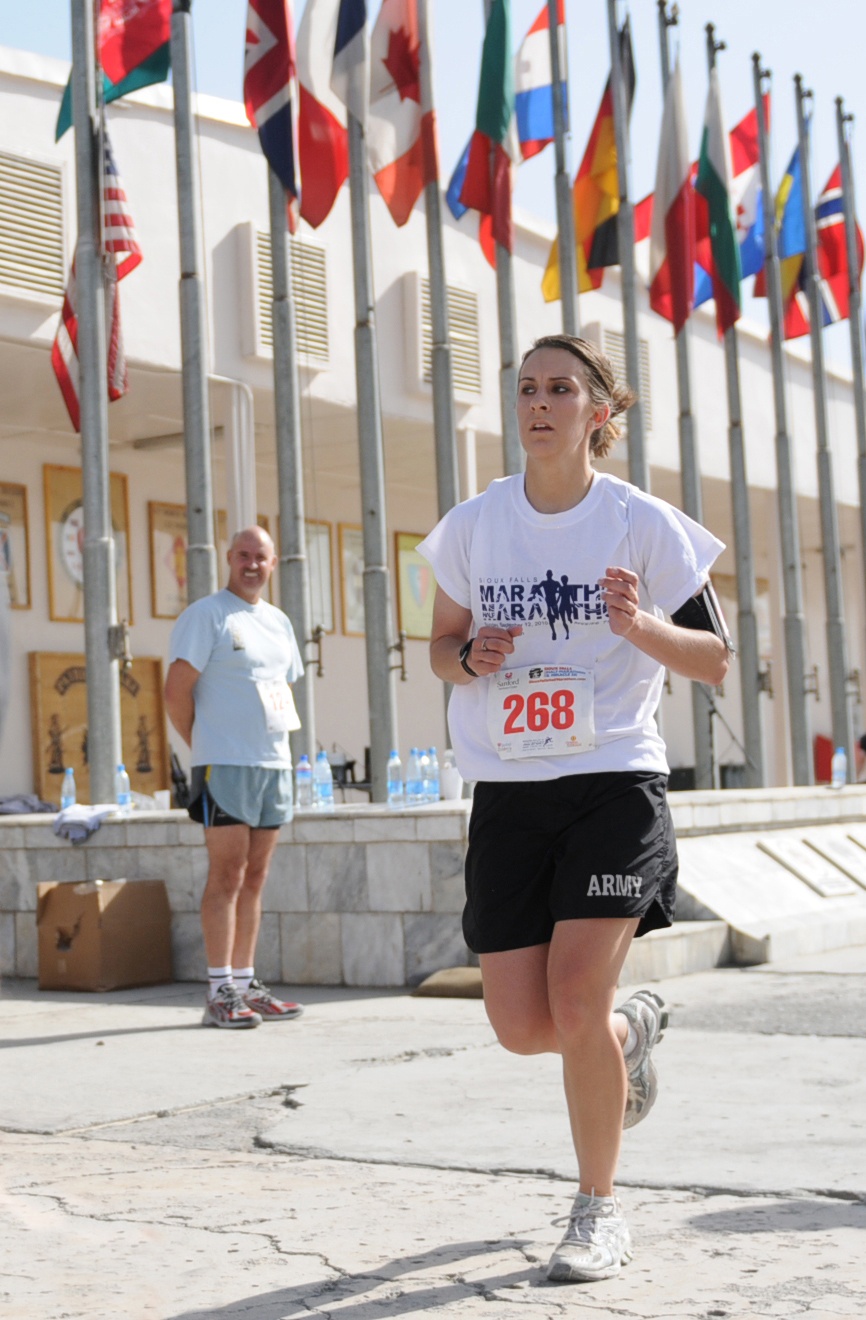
(498, 557)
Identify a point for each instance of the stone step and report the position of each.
(685, 947)
(790, 937)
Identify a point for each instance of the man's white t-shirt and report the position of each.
(245, 654)
(498, 557)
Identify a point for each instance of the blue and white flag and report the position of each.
(349, 75)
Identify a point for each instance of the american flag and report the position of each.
(121, 254)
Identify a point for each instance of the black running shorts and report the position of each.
(595, 845)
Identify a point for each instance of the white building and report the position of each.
(37, 234)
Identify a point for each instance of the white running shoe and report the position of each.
(596, 1244)
(263, 1001)
(648, 1016)
(227, 1009)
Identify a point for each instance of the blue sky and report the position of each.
(823, 42)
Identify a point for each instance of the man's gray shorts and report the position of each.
(251, 795)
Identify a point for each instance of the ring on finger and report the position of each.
(484, 643)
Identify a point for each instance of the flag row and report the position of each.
(703, 224)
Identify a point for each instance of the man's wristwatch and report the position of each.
(464, 652)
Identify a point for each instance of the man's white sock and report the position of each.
(217, 978)
(242, 977)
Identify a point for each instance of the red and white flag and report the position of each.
(401, 124)
(672, 237)
(121, 254)
(323, 141)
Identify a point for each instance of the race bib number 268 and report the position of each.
(541, 710)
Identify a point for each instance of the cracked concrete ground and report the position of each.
(382, 1157)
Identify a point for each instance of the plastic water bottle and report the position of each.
(323, 784)
(67, 789)
(424, 764)
(304, 782)
(122, 795)
(839, 769)
(451, 780)
(414, 779)
(395, 781)
(432, 775)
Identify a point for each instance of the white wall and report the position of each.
(34, 430)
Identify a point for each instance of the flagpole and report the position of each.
(444, 421)
(835, 627)
(690, 476)
(377, 581)
(564, 203)
(747, 621)
(638, 466)
(444, 424)
(201, 553)
(294, 565)
(855, 309)
(506, 302)
(100, 606)
(794, 627)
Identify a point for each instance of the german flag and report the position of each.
(595, 195)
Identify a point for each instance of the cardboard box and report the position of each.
(103, 935)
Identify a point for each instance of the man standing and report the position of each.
(232, 659)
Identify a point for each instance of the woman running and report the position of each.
(571, 846)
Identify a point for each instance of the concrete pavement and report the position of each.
(383, 1157)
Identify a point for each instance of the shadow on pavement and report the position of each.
(794, 1215)
(307, 1299)
(179, 994)
(68, 1036)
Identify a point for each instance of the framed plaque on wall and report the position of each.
(352, 579)
(58, 712)
(15, 543)
(168, 543)
(321, 611)
(416, 587)
(64, 533)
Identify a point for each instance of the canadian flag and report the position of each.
(401, 124)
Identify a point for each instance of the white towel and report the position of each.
(75, 823)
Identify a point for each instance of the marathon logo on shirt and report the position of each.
(615, 886)
(554, 599)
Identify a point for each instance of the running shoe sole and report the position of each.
(559, 1271)
(239, 1024)
(639, 1105)
(294, 1012)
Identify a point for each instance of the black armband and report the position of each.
(703, 613)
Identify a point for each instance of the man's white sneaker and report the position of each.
(227, 1009)
(596, 1244)
(647, 1014)
(263, 1001)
